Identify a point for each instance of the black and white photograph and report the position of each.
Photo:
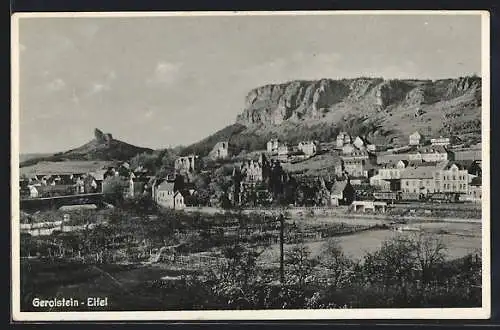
(250, 165)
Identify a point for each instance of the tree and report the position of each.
(339, 266)
(429, 253)
(113, 188)
(393, 264)
(298, 264)
(236, 278)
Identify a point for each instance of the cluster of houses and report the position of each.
(50, 179)
(422, 166)
(284, 152)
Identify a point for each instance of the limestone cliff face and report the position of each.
(297, 101)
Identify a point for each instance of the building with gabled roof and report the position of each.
(415, 139)
(429, 154)
(341, 193)
(358, 163)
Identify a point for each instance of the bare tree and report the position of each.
(429, 252)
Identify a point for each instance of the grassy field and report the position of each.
(459, 238)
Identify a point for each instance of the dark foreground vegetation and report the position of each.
(114, 260)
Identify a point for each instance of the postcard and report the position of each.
(283, 165)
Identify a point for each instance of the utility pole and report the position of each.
(282, 258)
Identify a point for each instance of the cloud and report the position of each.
(56, 85)
(165, 73)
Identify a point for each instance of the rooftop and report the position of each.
(338, 187)
(422, 172)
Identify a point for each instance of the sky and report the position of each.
(166, 81)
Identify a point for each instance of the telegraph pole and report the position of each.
(282, 258)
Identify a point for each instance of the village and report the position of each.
(364, 176)
(208, 215)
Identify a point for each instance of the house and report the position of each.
(373, 206)
(472, 153)
(252, 171)
(136, 186)
(391, 157)
(186, 164)
(418, 179)
(283, 152)
(348, 148)
(341, 193)
(309, 148)
(33, 191)
(338, 167)
(179, 201)
(358, 163)
(359, 143)
(98, 177)
(80, 185)
(440, 141)
(475, 190)
(220, 150)
(340, 140)
(272, 146)
(165, 196)
(379, 182)
(452, 178)
(415, 139)
(429, 154)
(392, 170)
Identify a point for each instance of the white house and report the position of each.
(359, 143)
(179, 201)
(164, 195)
(283, 152)
(33, 191)
(309, 148)
(440, 141)
(415, 139)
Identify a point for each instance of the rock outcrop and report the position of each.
(311, 100)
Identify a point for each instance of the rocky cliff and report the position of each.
(382, 111)
(299, 101)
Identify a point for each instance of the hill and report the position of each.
(102, 147)
(26, 157)
(382, 111)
